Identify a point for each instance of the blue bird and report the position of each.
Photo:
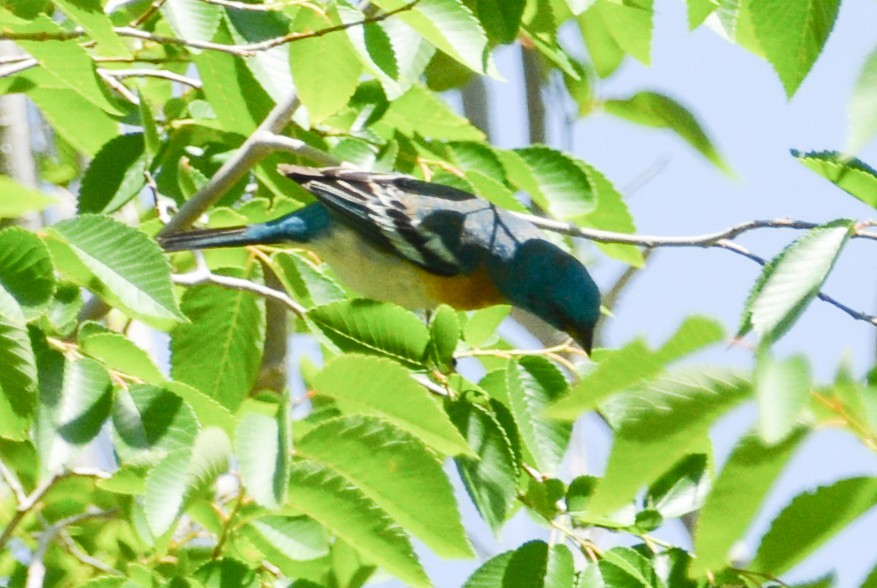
(394, 238)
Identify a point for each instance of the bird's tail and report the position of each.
(210, 238)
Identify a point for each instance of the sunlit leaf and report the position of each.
(660, 111)
(737, 496)
(220, 350)
(850, 174)
(810, 520)
(349, 514)
(119, 263)
(396, 471)
(380, 387)
(792, 280)
(792, 35)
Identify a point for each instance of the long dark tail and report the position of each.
(210, 238)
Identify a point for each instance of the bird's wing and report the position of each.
(382, 208)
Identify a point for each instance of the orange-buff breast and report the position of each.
(464, 292)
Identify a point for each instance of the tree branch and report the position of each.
(250, 153)
(27, 503)
(243, 50)
(652, 241)
(152, 73)
(203, 275)
(36, 570)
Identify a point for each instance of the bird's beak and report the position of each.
(584, 337)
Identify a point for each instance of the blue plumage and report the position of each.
(395, 238)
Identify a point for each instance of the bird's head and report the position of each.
(556, 287)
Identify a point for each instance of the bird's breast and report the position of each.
(375, 273)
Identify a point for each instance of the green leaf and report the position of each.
(285, 540)
(541, 29)
(225, 573)
(792, 280)
(238, 100)
(149, 422)
(67, 62)
(491, 479)
(121, 354)
(604, 51)
(850, 174)
(659, 111)
(622, 566)
(810, 520)
(444, 334)
(115, 175)
(323, 90)
(534, 564)
(737, 496)
(397, 472)
(695, 333)
(88, 131)
(792, 35)
(348, 513)
(615, 371)
(72, 411)
(219, 352)
(660, 424)
(270, 66)
(26, 270)
(120, 264)
(532, 383)
(419, 111)
(501, 19)
(620, 369)
(699, 10)
(482, 324)
(367, 326)
(611, 214)
(89, 14)
(735, 16)
(683, 489)
(18, 378)
(782, 389)
(863, 106)
(16, 199)
(181, 473)
(309, 283)
(627, 24)
(450, 26)
(380, 387)
(192, 20)
(494, 191)
(262, 448)
(555, 181)
(491, 573)
(390, 50)
(209, 412)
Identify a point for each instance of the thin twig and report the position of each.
(36, 570)
(118, 87)
(251, 152)
(152, 73)
(147, 14)
(18, 66)
(13, 483)
(740, 250)
(85, 558)
(27, 503)
(651, 241)
(243, 50)
(202, 275)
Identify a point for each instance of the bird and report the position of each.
(394, 238)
